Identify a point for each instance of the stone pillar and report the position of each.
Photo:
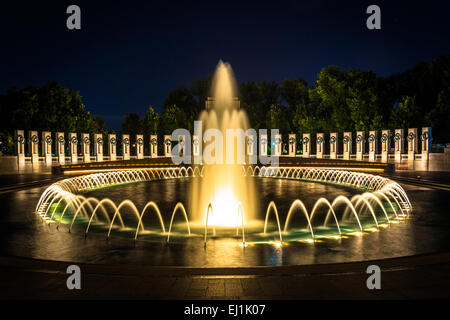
(33, 145)
(250, 147)
(154, 146)
(140, 146)
(98, 147)
(347, 151)
(385, 145)
(426, 138)
(60, 145)
(73, 147)
(47, 142)
(86, 147)
(306, 141)
(277, 146)
(412, 143)
(196, 149)
(19, 146)
(360, 144)
(263, 145)
(126, 146)
(333, 145)
(181, 146)
(399, 146)
(167, 146)
(112, 147)
(373, 145)
(320, 145)
(292, 145)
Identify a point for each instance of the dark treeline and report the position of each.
(48, 108)
(339, 100)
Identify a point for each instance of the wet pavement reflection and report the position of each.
(23, 234)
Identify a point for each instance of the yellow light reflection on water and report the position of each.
(225, 212)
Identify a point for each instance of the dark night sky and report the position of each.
(129, 54)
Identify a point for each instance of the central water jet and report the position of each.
(223, 186)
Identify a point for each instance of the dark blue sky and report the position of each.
(129, 54)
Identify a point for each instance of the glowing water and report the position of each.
(64, 198)
(223, 185)
(223, 195)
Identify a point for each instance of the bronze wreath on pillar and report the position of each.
(35, 139)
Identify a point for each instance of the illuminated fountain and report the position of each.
(223, 200)
(383, 200)
(223, 188)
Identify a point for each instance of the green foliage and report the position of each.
(406, 114)
(132, 125)
(50, 107)
(276, 119)
(150, 123)
(362, 100)
(439, 117)
(201, 90)
(173, 118)
(182, 99)
(339, 100)
(251, 101)
(331, 94)
(294, 92)
(97, 125)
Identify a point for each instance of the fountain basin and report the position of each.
(375, 203)
(25, 234)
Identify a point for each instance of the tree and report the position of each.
(150, 123)
(173, 118)
(98, 125)
(54, 107)
(362, 100)
(295, 93)
(201, 90)
(406, 114)
(270, 95)
(329, 95)
(51, 107)
(439, 117)
(184, 100)
(338, 100)
(276, 119)
(132, 125)
(251, 101)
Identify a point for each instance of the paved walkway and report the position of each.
(15, 182)
(435, 180)
(434, 176)
(417, 277)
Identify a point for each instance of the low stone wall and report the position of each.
(436, 162)
(9, 165)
